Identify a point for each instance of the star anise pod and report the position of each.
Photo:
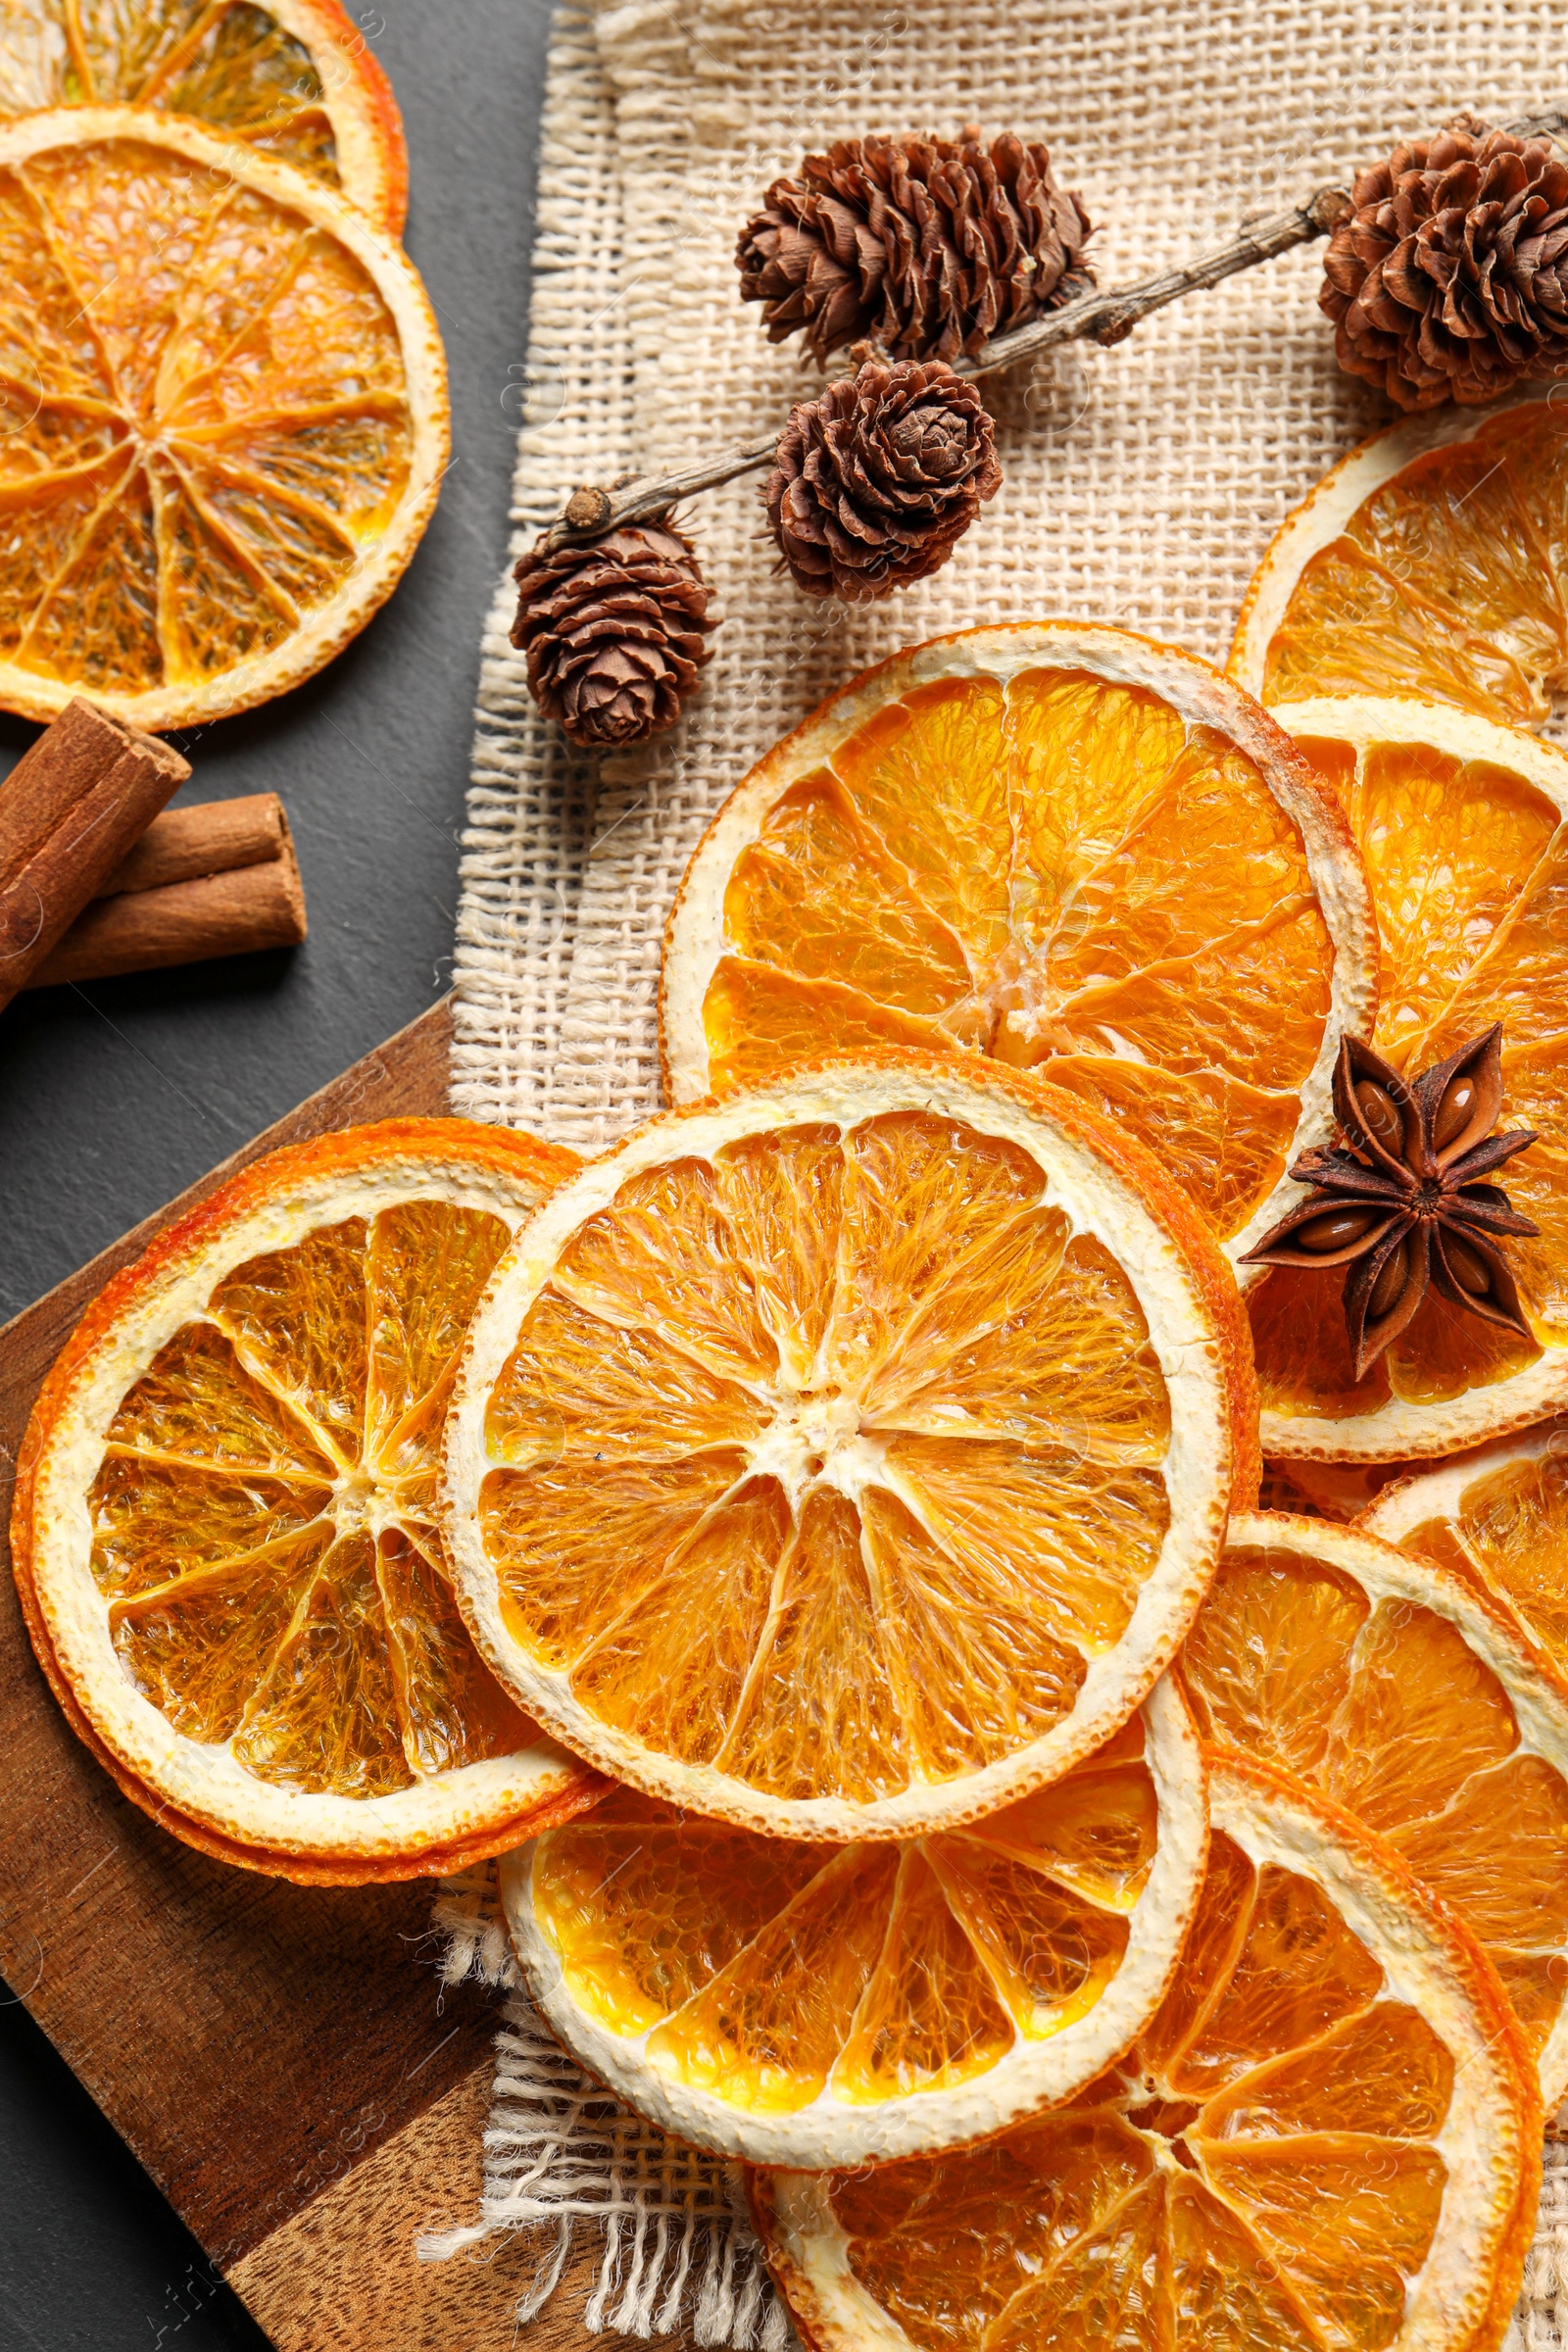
(1402, 1202)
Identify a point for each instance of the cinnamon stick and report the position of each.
(167, 905)
(70, 811)
(185, 843)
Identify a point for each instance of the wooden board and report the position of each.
(278, 2056)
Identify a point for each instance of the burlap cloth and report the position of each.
(1142, 485)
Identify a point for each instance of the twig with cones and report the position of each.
(939, 264)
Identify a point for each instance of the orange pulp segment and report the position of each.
(1336, 1490)
(1270, 2170)
(226, 418)
(263, 1520)
(807, 2003)
(260, 1575)
(1432, 561)
(1463, 830)
(1498, 1517)
(1391, 1687)
(815, 1454)
(296, 79)
(645, 1547)
(1005, 860)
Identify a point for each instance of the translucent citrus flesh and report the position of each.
(262, 1520)
(768, 1973)
(1447, 582)
(1469, 871)
(1511, 1535)
(1008, 869)
(1385, 1707)
(231, 65)
(1257, 2176)
(1335, 1491)
(829, 1464)
(207, 418)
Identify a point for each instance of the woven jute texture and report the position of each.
(677, 2248)
(530, 793)
(1142, 482)
(1141, 486)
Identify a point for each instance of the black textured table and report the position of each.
(114, 1097)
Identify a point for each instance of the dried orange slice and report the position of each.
(1336, 1490)
(847, 1456)
(1463, 828)
(1405, 1697)
(1432, 561)
(1327, 2141)
(1059, 845)
(1497, 1516)
(823, 2005)
(226, 417)
(223, 1532)
(296, 79)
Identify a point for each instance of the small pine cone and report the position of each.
(875, 480)
(613, 632)
(1449, 279)
(924, 246)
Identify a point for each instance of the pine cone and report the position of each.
(927, 247)
(613, 632)
(1449, 280)
(875, 480)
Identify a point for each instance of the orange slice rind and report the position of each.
(831, 2006)
(1329, 2137)
(1463, 830)
(845, 1456)
(1336, 1490)
(1432, 561)
(1060, 844)
(226, 418)
(1410, 1699)
(223, 1533)
(1498, 1517)
(296, 79)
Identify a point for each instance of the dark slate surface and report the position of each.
(114, 1098)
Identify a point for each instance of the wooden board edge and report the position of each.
(343, 2275)
(407, 1074)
